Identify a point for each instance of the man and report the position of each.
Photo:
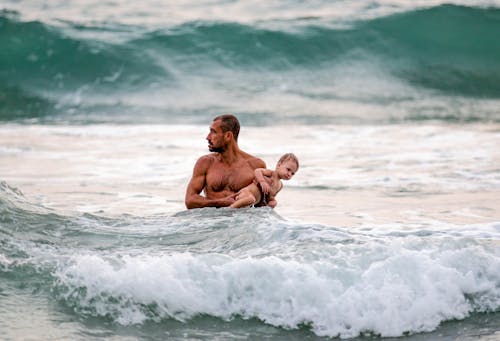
(221, 174)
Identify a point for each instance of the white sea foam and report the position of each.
(407, 285)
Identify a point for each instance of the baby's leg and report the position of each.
(243, 199)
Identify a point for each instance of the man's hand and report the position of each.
(227, 201)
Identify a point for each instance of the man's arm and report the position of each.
(196, 185)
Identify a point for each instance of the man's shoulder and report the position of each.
(255, 162)
(205, 160)
(210, 156)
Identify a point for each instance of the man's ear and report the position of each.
(228, 135)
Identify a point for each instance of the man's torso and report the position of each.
(223, 180)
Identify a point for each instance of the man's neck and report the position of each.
(230, 155)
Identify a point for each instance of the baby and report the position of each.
(267, 183)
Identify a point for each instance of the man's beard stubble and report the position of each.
(216, 149)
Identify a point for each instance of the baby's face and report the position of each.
(286, 169)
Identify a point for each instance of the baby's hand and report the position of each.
(265, 187)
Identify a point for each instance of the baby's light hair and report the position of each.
(289, 156)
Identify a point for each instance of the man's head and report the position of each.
(223, 130)
(229, 123)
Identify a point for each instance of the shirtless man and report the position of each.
(221, 174)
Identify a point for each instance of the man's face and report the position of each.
(215, 138)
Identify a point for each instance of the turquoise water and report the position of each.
(390, 230)
(421, 64)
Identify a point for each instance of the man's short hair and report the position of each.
(229, 123)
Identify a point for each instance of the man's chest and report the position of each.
(223, 177)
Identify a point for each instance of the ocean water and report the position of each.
(389, 231)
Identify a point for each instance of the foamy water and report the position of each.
(409, 286)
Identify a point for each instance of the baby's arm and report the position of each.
(260, 173)
(272, 196)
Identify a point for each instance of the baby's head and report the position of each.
(287, 166)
